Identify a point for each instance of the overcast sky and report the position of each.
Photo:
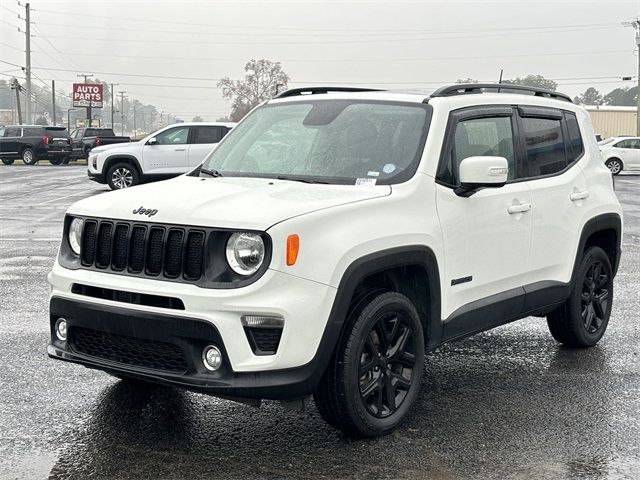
(172, 53)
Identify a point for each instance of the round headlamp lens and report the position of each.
(75, 235)
(245, 252)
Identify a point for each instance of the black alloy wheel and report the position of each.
(595, 297)
(374, 376)
(387, 363)
(583, 319)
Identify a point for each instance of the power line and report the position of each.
(377, 39)
(11, 47)
(63, 55)
(339, 33)
(305, 30)
(9, 10)
(367, 60)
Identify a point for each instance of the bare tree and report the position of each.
(263, 78)
(197, 118)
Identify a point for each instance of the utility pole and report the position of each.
(53, 102)
(134, 119)
(122, 111)
(112, 109)
(89, 107)
(636, 26)
(27, 50)
(16, 86)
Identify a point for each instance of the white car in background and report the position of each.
(621, 153)
(169, 152)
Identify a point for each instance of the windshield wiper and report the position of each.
(298, 179)
(211, 173)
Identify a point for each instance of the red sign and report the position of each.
(88, 95)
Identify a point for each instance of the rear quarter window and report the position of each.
(33, 132)
(576, 147)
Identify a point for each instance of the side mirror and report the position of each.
(478, 172)
(152, 141)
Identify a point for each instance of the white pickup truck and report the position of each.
(169, 152)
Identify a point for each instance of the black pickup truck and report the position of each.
(84, 139)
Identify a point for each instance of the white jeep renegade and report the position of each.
(334, 237)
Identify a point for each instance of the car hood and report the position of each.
(228, 202)
(113, 146)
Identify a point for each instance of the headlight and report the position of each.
(245, 252)
(75, 235)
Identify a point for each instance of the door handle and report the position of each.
(520, 208)
(575, 196)
(179, 149)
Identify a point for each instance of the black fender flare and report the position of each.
(111, 159)
(605, 221)
(357, 271)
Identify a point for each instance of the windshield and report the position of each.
(328, 141)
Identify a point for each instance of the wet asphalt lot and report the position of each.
(509, 403)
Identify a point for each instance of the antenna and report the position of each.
(500, 79)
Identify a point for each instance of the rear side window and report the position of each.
(576, 147)
(207, 134)
(628, 143)
(544, 144)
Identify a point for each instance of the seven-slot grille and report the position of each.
(153, 250)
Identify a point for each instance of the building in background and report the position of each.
(610, 121)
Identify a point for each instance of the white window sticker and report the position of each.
(367, 182)
(373, 174)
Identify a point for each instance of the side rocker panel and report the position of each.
(534, 299)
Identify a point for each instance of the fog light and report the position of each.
(212, 358)
(61, 329)
(262, 321)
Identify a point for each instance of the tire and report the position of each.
(56, 161)
(29, 157)
(615, 165)
(66, 160)
(122, 175)
(8, 161)
(583, 319)
(380, 355)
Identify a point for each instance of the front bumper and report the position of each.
(209, 317)
(96, 177)
(192, 335)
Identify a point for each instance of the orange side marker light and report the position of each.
(293, 245)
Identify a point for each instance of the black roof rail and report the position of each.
(316, 90)
(463, 88)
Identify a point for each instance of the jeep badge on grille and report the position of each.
(145, 211)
